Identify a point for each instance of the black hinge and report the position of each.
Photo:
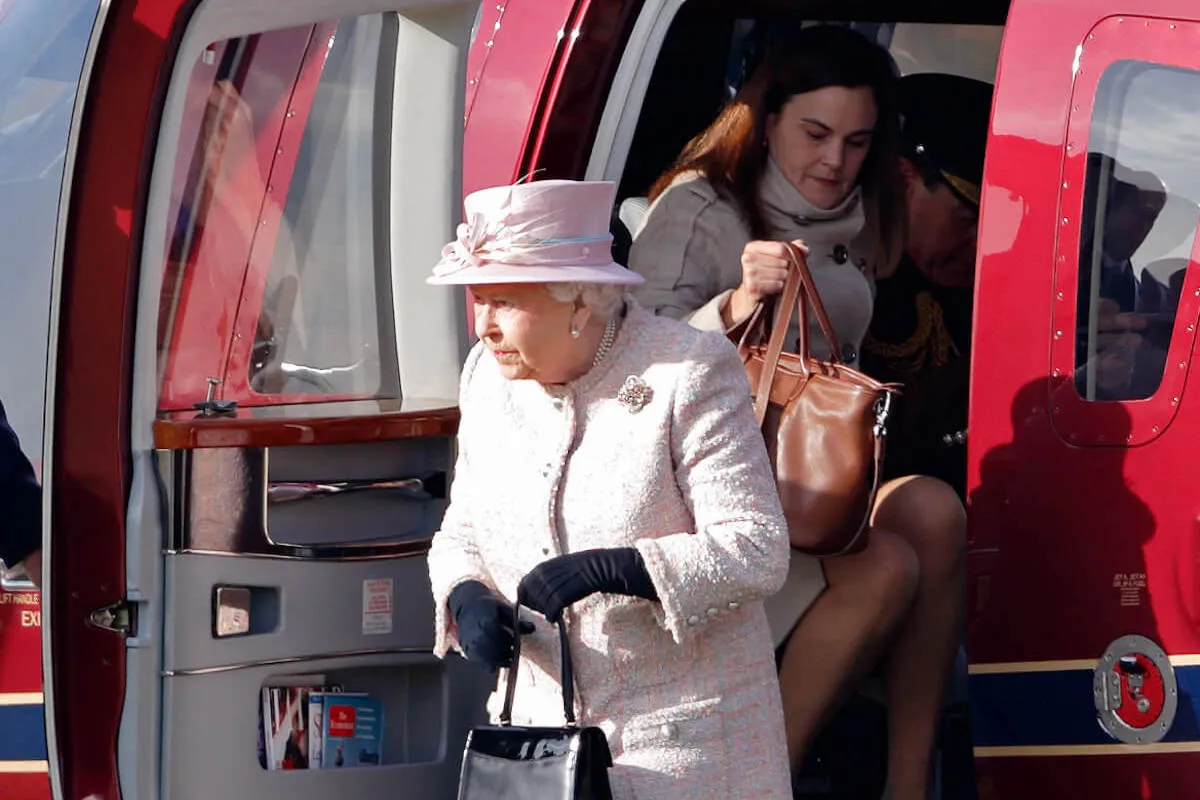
(120, 617)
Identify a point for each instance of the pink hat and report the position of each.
(539, 232)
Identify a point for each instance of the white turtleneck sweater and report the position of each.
(689, 250)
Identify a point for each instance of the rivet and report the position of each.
(1058, 334)
(1066, 221)
(1061, 296)
(291, 113)
(1174, 401)
(1057, 409)
(1154, 429)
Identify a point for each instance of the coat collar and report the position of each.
(788, 214)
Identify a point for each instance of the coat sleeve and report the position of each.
(738, 552)
(454, 556)
(689, 251)
(20, 497)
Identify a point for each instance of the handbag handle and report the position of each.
(567, 672)
(798, 291)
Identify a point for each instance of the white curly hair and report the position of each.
(602, 298)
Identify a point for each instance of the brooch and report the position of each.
(634, 394)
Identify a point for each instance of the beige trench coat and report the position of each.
(684, 688)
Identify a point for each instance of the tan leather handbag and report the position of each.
(825, 424)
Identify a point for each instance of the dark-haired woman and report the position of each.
(807, 152)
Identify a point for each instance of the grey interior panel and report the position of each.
(320, 608)
(373, 516)
(429, 705)
(353, 517)
(383, 459)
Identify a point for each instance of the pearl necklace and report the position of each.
(606, 341)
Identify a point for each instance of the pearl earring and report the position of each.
(574, 331)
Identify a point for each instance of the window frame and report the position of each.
(1079, 421)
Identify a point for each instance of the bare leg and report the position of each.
(843, 634)
(927, 514)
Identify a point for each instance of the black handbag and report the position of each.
(511, 762)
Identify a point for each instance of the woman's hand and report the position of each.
(484, 624)
(765, 266)
(563, 580)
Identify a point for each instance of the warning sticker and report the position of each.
(1130, 585)
(377, 606)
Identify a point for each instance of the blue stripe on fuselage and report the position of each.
(1031, 709)
(22, 733)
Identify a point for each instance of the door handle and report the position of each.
(15, 579)
(418, 489)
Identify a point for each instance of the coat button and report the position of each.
(545, 551)
(734, 606)
(849, 354)
(670, 730)
(712, 612)
(693, 620)
(840, 254)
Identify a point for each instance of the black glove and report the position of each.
(484, 624)
(555, 584)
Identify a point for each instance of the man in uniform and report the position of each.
(921, 331)
(20, 506)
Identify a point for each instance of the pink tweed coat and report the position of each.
(684, 688)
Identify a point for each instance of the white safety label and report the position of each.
(377, 606)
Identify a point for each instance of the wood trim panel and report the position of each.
(317, 429)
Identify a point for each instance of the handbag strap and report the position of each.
(809, 290)
(566, 669)
(798, 288)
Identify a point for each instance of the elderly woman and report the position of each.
(808, 152)
(609, 466)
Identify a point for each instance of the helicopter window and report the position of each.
(280, 205)
(327, 290)
(1140, 212)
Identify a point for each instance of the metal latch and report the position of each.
(120, 617)
(212, 407)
